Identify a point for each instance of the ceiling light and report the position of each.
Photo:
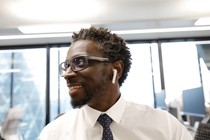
(120, 32)
(52, 28)
(31, 36)
(203, 21)
(163, 30)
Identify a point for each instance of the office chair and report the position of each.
(202, 132)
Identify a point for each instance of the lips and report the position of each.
(74, 86)
(73, 90)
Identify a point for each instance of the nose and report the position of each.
(69, 72)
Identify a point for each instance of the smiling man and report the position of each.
(95, 68)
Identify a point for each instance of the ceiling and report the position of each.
(116, 15)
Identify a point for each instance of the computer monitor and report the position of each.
(194, 102)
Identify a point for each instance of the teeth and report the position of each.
(75, 87)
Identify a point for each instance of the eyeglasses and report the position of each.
(78, 63)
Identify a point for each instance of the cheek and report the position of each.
(95, 77)
(96, 74)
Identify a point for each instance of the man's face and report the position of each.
(88, 86)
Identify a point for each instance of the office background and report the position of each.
(171, 55)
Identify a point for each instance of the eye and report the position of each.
(66, 66)
(79, 62)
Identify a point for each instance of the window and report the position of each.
(138, 87)
(23, 85)
(181, 68)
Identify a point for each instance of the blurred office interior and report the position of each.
(170, 56)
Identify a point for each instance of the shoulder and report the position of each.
(57, 127)
(165, 123)
(143, 108)
(149, 114)
(63, 119)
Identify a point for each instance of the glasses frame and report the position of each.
(87, 58)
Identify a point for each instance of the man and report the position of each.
(96, 66)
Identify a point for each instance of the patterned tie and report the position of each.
(105, 122)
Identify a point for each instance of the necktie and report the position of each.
(105, 122)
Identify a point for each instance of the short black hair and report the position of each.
(112, 46)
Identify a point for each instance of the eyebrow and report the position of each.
(76, 56)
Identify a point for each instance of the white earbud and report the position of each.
(114, 76)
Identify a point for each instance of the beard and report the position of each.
(91, 93)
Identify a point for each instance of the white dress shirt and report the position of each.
(131, 121)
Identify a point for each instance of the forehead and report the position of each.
(86, 47)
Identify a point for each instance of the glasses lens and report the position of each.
(62, 68)
(79, 63)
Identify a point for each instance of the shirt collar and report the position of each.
(115, 112)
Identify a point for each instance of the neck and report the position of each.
(104, 103)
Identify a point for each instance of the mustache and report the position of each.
(71, 80)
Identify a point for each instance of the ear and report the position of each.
(119, 66)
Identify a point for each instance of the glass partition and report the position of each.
(59, 97)
(138, 87)
(23, 86)
(181, 72)
(23, 80)
(181, 68)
